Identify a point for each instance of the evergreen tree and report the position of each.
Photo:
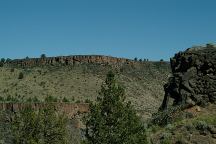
(54, 127)
(8, 60)
(26, 127)
(1, 64)
(111, 119)
(44, 126)
(3, 60)
(43, 56)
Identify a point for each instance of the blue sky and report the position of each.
(152, 29)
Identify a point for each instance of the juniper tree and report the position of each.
(43, 56)
(112, 120)
(44, 126)
(2, 60)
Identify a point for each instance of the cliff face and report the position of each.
(71, 60)
(194, 77)
(70, 110)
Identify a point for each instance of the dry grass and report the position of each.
(143, 82)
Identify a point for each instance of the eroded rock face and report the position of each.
(69, 109)
(193, 80)
(71, 60)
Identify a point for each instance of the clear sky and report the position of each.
(154, 29)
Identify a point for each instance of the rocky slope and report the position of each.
(198, 128)
(192, 117)
(194, 77)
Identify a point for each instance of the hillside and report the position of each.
(198, 128)
(81, 79)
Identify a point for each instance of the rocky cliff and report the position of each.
(71, 60)
(193, 80)
(70, 109)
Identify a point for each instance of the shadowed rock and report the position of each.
(69, 109)
(193, 80)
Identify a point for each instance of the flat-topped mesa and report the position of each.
(194, 77)
(71, 60)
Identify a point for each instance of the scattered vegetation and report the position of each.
(144, 79)
(186, 130)
(19, 99)
(44, 126)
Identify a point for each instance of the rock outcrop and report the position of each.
(71, 60)
(69, 109)
(193, 80)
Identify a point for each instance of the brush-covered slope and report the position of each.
(198, 128)
(143, 81)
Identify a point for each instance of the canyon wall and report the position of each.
(69, 109)
(71, 60)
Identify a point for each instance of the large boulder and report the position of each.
(193, 80)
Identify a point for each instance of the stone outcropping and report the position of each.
(193, 80)
(71, 60)
(69, 109)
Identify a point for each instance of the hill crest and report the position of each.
(71, 60)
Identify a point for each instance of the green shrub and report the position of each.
(166, 138)
(201, 125)
(155, 128)
(210, 119)
(34, 99)
(65, 100)
(2, 99)
(51, 99)
(45, 126)
(169, 127)
(87, 101)
(189, 127)
(21, 75)
(135, 59)
(1, 64)
(11, 99)
(78, 101)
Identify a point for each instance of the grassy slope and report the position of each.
(143, 82)
(188, 131)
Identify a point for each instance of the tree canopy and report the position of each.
(112, 120)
